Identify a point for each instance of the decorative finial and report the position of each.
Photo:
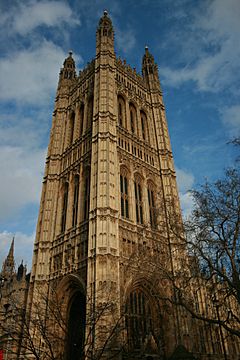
(146, 47)
(70, 53)
(105, 13)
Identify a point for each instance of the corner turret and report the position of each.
(68, 72)
(105, 33)
(150, 69)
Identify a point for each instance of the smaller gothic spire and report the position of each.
(150, 68)
(105, 27)
(21, 272)
(68, 72)
(8, 267)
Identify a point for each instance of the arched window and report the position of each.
(81, 118)
(138, 201)
(121, 111)
(144, 126)
(124, 196)
(138, 319)
(133, 118)
(75, 200)
(86, 197)
(71, 127)
(120, 114)
(89, 113)
(64, 207)
(152, 209)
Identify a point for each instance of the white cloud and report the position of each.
(185, 182)
(186, 201)
(231, 119)
(23, 247)
(25, 17)
(20, 177)
(30, 76)
(213, 38)
(125, 40)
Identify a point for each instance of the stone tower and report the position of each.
(108, 189)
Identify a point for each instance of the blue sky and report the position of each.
(196, 45)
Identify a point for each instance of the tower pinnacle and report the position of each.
(9, 264)
(68, 72)
(150, 68)
(105, 29)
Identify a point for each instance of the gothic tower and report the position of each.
(108, 189)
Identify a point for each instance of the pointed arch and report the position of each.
(151, 189)
(86, 197)
(143, 320)
(121, 111)
(124, 192)
(75, 200)
(81, 118)
(71, 290)
(133, 118)
(138, 192)
(89, 113)
(71, 126)
(144, 126)
(64, 206)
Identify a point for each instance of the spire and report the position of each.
(68, 72)
(21, 273)
(148, 64)
(8, 268)
(105, 33)
(105, 27)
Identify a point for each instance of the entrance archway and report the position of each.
(76, 327)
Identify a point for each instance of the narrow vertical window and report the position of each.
(120, 119)
(71, 127)
(75, 200)
(138, 202)
(152, 210)
(121, 111)
(90, 113)
(81, 119)
(132, 121)
(133, 118)
(124, 196)
(64, 208)
(86, 198)
(144, 126)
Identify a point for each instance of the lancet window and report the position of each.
(71, 127)
(138, 319)
(133, 118)
(81, 119)
(152, 209)
(138, 200)
(144, 126)
(86, 197)
(124, 195)
(121, 111)
(89, 113)
(64, 207)
(75, 200)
